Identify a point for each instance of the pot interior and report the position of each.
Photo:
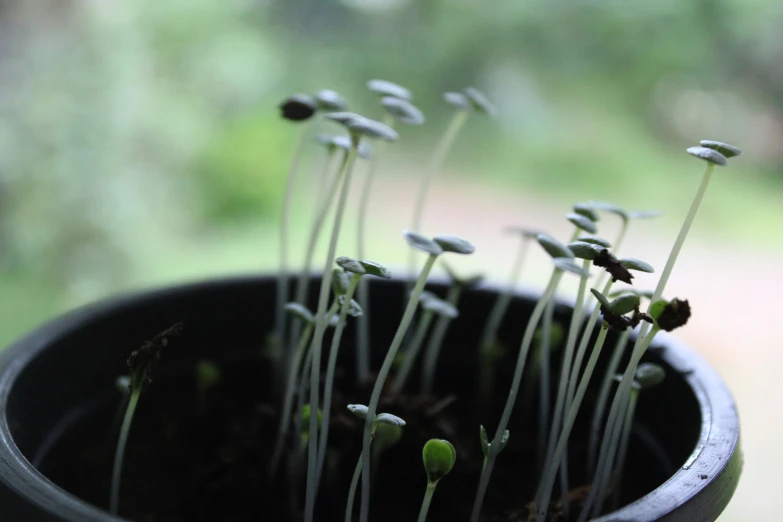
(193, 457)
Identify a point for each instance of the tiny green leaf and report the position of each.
(440, 307)
(601, 299)
(595, 240)
(632, 263)
(298, 107)
(582, 222)
(554, 247)
(351, 265)
(419, 242)
(583, 250)
(371, 129)
(403, 110)
(439, 457)
(479, 101)
(624, 304)
(459, 100)
(386, 436)
(567, 265)
(586, 209)
(657, 307)
(708, 155)
(724, 148)
(388, 418)
(386, 88)
(360, 410)
(354, 309)
(649, 375)
(340, 281)
(300, 312)
(328, 100)
(485, 444)
(376, 269)
(454, 244)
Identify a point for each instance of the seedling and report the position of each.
(386, 88)
(296, 108)
(396, 108)
(439, 457)
(486, 445)
(489, 336)
(208, 375)
(363, 412)
(356, 269)
(141, 362)
(432, 351)
(431, 307)
(477, 102)
(328, 101)
(434, 248)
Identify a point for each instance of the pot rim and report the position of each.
(699, 490)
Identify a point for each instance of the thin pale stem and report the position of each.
(432, 351)
(357, 472)
(119, 455)
(548, 479)
(380, 381)
(603, 398)
(288, 401)
(623, 452)
(425, 504)
(320, 329)
(543, 381)
(565, 369)
(282, 276)
(303, 282)
(436, 165)
(612, 430)
(331, 366)
(412, 353)
(363, 294)
(527, 339)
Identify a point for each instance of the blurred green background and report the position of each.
(140, 144)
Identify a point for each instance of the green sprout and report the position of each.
(489, 334)
(431, 307)
(356, 269)
(432, 351)
(434, 248)
(611, 430)
(296, 108)
(476, 102)
(208, 375)
(396, 108)
(141, 362)
(439, 457)
(358, 127)
(363, 412)
(486, 445)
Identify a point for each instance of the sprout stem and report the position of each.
(612, 430)
(320, 329)
(436, 165)
(119, 455)
(603, 398)
(363, 294)
(425, 504)
(543, 382)
(329, 381)
(412, 352)
(527, 339)
(566, 375)
(432, 351)
(288, 401)
(548, 479)
(623, 451)
(352, 490)
(282, 276)
(383, 374)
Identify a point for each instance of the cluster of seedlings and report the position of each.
(305, 383)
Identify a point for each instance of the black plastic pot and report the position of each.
(56, 376)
